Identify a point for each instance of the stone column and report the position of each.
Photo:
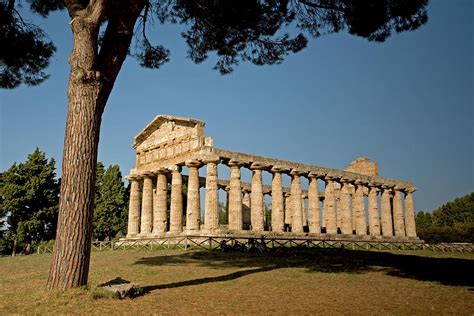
(386, 211)
(176, 207)
(296, 211)
(147, 205)
(374, 223)
(227, 193)
(358, 208)
(337, 200)
(398, 223)
(159, 203)
(235, 197)
(193, 207)
(304, 196)
(211, 215)
(288, 215)
(329, 214)
(134, 207)
(256, 205)
(344, 208)
(410, 213)
(313, 204)
(278, 211)
(246, 208)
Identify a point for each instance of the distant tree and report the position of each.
(110, 210)
(29, 201)
(223, 214)
(267, 208)
(452, 222)
(423, 220)
(459, 211)
(234, 30)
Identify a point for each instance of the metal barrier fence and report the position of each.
(217, 242)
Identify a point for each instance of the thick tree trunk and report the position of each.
(70, 265)
(91, 80)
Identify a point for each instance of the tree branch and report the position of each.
(320, 6)
(122, 17)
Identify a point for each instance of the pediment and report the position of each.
(164, 128)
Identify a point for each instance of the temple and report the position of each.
(356, 203)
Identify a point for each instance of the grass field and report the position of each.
(321, 281)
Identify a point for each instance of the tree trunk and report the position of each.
(91, 80)
(70, 265)
(15, 243)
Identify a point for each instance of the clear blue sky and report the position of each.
(407, 103)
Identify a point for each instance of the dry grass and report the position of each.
(305, 282)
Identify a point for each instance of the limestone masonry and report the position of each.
(356, 202)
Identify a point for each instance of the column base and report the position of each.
(158, 234)
(173, 233)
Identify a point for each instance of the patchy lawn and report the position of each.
(330, 281)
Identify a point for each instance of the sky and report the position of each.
(407, 104)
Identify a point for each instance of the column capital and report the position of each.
(245, 190)
(211, 159)
(287, 194)
(373, 184)
(257, 166)
(360, 182)
(304, 195)
(386, 186)
(296, 172)
(133, 177)
(374, 187)
(175, 168)
(193, 163)
(398, 188)
(278, 169)
(328, 178)
(316, 174)
(160, 171)
(409, 190)
(234, 163)
(147, 174)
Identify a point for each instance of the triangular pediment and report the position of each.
(167, 127)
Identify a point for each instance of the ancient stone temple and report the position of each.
(355, 203)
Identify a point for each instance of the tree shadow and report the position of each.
(221, 278)
(447, 271)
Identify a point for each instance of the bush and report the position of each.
(456, 233)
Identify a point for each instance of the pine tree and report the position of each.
(110, 211)
(29, 202)
(103, 33)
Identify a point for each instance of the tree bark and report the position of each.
(91, 80)
(15, 243)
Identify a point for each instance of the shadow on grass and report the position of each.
(227, 277)
(448, 271)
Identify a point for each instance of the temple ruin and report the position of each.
(356, 203)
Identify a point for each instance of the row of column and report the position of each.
(342, 212)
(351, 214)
